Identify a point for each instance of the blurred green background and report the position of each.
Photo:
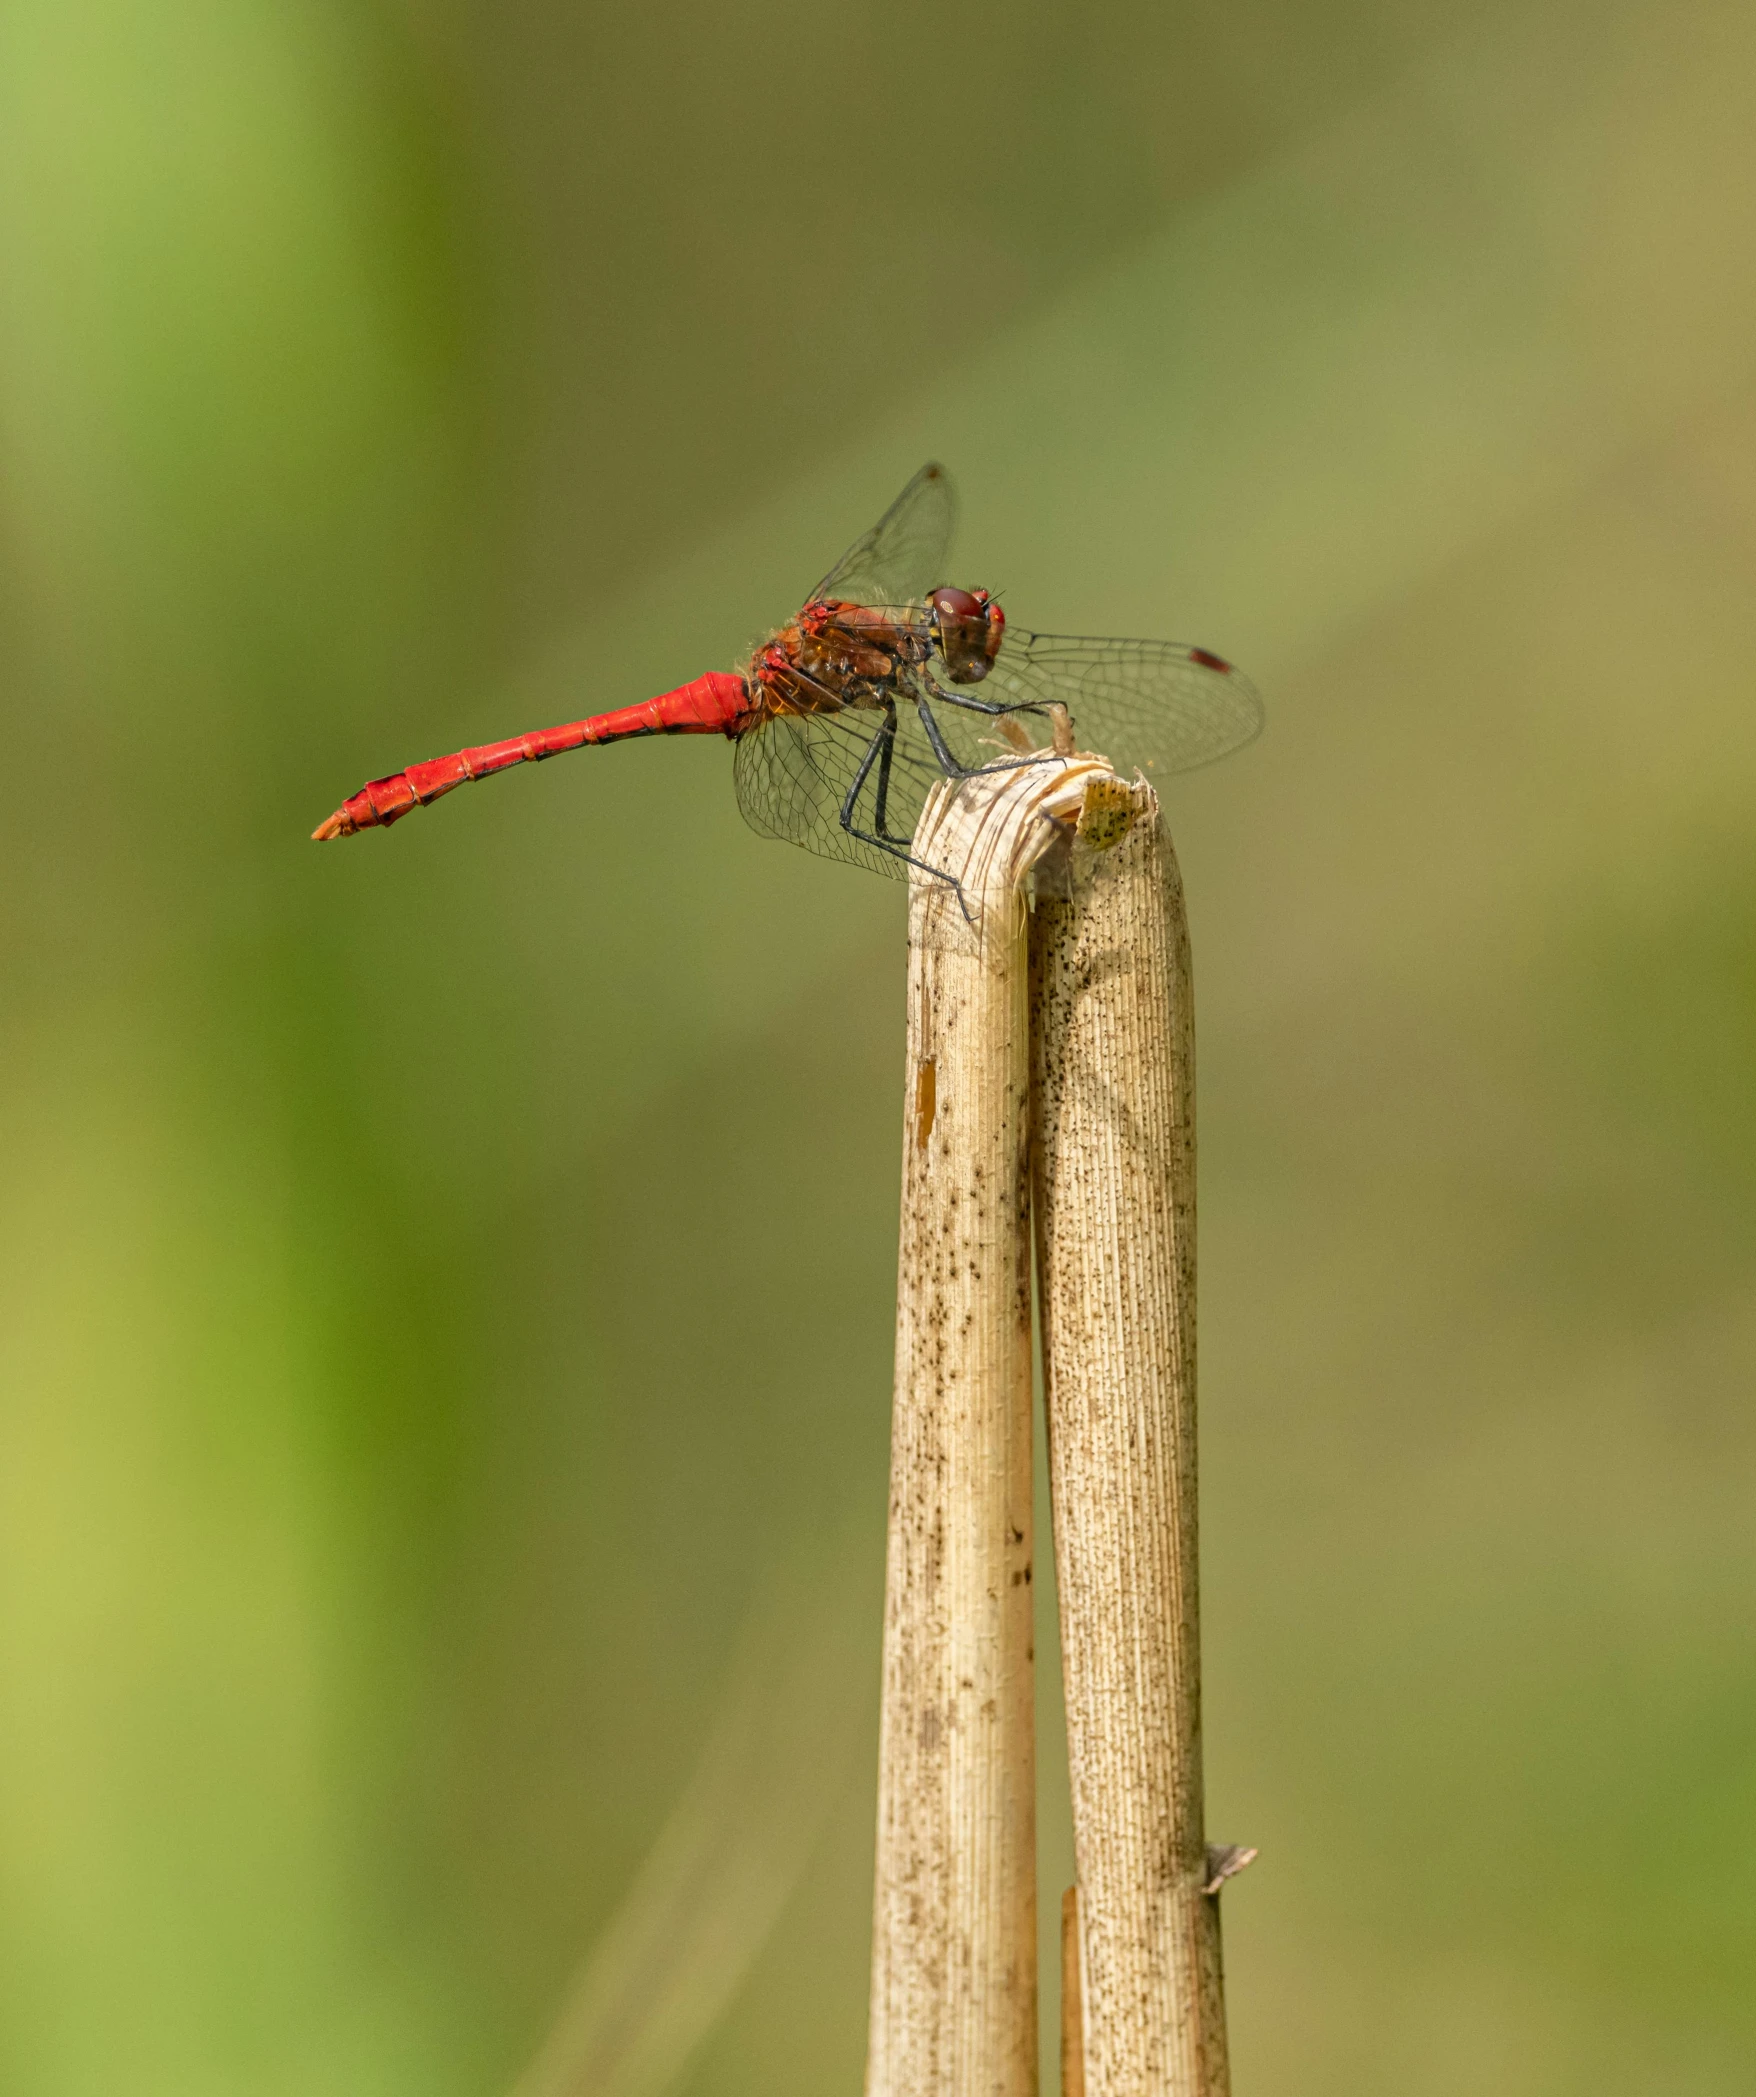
(445, 1279)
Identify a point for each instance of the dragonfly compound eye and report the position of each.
(968, 629)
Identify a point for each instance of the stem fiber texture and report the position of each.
(1114, 1187)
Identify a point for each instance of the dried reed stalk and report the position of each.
(1114, 1185)
(954, 1996)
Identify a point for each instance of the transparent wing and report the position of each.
(1156, 707)
(794, 774)
(1151, 706)
(903, 556)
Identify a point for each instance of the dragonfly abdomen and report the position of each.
(716, 704)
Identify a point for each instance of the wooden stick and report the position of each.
(1114, 1183)
(954, 1996)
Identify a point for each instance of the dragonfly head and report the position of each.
(967, 625)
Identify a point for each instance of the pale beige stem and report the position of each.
(954, 2008)
(1114, 1183)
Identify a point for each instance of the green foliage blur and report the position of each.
(445, 1278)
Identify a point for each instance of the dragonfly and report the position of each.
(886, 681)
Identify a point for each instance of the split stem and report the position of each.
(1050, 1070)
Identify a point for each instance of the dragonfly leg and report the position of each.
(978, 706)
(878, 752)
(991, 709)
(881, 800)
(881, 748)
(941, 749)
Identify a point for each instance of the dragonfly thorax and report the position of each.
(836, 655)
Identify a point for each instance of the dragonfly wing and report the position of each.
(794, 774)
(903, 556)
(1150, 706)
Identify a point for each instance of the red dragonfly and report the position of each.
(845, 718)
